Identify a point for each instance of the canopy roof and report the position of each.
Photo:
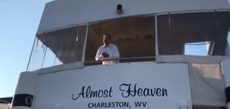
(61, 14)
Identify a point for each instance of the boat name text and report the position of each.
(126, 91)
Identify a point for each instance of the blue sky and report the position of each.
(18, 24)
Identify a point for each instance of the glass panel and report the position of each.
(176, 31)
(199, 49)
(57, 62)
(37, 56)
(58, 47)
(228, 37)
(49, 58)
(227, 52)
(133, 36)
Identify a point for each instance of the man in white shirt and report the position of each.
(107, 51)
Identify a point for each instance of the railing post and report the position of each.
(156, 36)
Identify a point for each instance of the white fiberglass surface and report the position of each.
(63, 89)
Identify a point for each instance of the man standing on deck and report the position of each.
(107, 51)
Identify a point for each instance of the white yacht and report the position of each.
(153, 71)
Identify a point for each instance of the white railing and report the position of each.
(122, 60)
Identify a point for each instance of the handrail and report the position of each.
(122, 60)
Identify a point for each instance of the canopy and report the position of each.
(61, 14)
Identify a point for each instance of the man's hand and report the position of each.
(105, 55)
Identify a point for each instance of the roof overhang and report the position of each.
(60, 14)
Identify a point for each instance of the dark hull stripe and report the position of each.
(22, 100)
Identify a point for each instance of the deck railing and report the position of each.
(122, 60)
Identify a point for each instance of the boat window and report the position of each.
(134, 37)
(198, 48)
(58, 47)
(227, 51)
(176, 31)
(229, 37)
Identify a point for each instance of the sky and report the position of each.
(19, 20)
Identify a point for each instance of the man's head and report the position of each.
(106, 39)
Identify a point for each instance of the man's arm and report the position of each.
(115, 54)
(98, 55)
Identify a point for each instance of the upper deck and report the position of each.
(71, 30)
(60, 14)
